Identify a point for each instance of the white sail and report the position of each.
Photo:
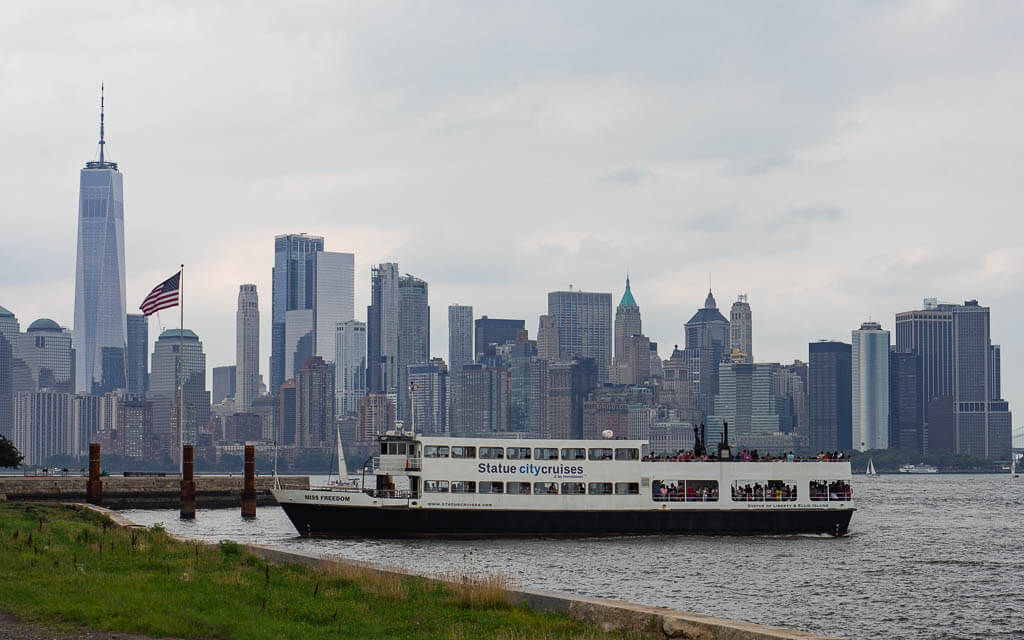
(342, 467)
(871, 468)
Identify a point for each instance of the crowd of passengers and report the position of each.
(745, 455)
(772, 491)
(838, 490)
(671, 492)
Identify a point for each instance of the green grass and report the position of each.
(71, 569)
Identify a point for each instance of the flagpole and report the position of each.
(181, 372)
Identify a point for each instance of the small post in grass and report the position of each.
(94, 486)
(249, 483)
(188, 484)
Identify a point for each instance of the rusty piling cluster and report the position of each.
(94, 486)
(188, 484)
(249, 483)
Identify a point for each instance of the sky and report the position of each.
(836, 162)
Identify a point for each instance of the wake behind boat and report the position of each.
(466, 487)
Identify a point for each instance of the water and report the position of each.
(935, 556)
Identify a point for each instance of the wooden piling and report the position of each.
(94, 486)
(188, 485)
(249, 483)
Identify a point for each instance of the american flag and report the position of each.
(163, 296)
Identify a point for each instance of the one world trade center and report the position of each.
(100, 331)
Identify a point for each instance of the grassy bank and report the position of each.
(69, 568)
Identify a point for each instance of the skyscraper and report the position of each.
(584, 322)
(6, 386)
(349, 366)
(43, 425)
(292, 279)
(829, 396)
(480, 403)
(247, 347)
(382, 329)
(225, 383)
(746, 400)
(163, 387)
(547, 339)
(137, 357)
(495, 331)
(569, 382)
(333, 297)
(413, 336)
(928, 332)
(741, 329)
(982, 422)
(528, 390)
(314, 418)
(376, 416)
(707, 342)
(43, 359)
(870, 387)
(906, 414)
(429, 397)
(627, 325)
(100, 332)
(460, 336)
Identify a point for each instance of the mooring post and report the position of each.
(188, 485)
(94, 486)
(249, 483)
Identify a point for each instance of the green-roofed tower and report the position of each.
(627, 325)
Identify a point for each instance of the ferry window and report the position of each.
(492, 487)
(574, 454)
(627, 454)
(545, 454)
(522, 488)
(541, 488)
(700, 490)
(573, 488)
(518, 453)
(600, 454)
(432, 451)
(492, 453)
(463, 486)
(599, 488)
(397, 448)
(825, 490)
(764, 491)
(435, 486)
(627, 488)
(463, 452)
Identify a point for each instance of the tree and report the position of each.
(9, 454)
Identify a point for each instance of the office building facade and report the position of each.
(137, 354)
(349, 366)
(413, 336)
(175, 351)
(429, 397)
(292, 289)
(741, 328)
(829, 396)
(584, 323)
(495, 332)
(382, 329)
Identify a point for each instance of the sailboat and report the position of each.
(871, 469)
(1013, 466)
(343, 478)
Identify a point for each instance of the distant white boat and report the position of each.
(1013, 467)
(918, 468)
(871, 469)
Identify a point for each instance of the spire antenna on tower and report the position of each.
(101, 124)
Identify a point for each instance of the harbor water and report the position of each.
(937, 556)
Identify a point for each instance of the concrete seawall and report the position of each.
(144, 492)
(610, 615)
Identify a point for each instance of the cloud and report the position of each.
(630, 176)
(820, 211)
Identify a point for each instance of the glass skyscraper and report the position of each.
(292, 281)
(100, 331)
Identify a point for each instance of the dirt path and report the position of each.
(12, 628)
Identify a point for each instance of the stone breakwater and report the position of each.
(144, 492)
(610, 615)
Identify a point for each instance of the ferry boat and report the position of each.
(918, 468)
(427, 486)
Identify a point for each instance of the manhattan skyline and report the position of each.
(827, 190)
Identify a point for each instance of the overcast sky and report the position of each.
(835, 161)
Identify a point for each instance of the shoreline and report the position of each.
(610, 615)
